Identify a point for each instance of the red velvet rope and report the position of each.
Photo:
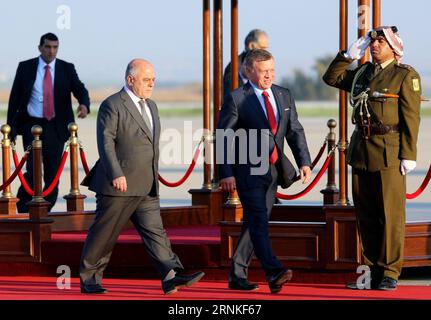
(57, 176)
(15, 173)
(84, 161)
(21, 176)
(310, 186)
(315, 161)
(319, 155)
(421, 187)
(53, 183)
(186, 175)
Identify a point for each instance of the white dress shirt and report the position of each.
(136, 100)
(259, 95)
(35, 104)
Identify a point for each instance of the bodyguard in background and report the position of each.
(255, 39)
(41, 95)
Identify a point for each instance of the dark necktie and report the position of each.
(48, 96)
(273, 125)
(144, 114)
(377, 69)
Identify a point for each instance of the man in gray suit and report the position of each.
(125, 179)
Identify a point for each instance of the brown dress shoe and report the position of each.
(276, 283)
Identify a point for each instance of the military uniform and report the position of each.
(385, 133)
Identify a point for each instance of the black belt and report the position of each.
(377, 129)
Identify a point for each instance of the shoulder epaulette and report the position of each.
(404, 66)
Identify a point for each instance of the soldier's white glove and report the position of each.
(357, 49)
(407, 166)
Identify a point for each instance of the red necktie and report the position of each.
(272, 123)
(48, 96)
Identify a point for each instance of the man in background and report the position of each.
(41, 95)
(255, 39)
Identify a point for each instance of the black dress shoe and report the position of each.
(388, 284)
(181, 280)
(93, 289)
(242, 284)
(276, 282)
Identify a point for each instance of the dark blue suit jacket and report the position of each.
(242, 110)
(66, 82)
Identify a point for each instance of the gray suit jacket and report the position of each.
(126, 148)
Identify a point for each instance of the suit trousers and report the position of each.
(257, 204)
(380, 201)
(52, 149)
(112, 214)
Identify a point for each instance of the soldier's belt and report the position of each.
(377, 129)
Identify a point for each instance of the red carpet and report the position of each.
(44, 288)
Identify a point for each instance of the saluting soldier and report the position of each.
(385, 96)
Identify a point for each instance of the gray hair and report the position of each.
(130, 70)
(253, 36)
(256, 55)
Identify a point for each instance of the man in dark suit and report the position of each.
(259, 111)
(41, 95)
(255, 39)
(125, 179)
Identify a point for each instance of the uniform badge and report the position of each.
(416, 85)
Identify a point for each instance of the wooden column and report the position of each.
(207, 94)
(74, 200)
(364, 24)
(218, 75)
(208, 195)
(331, 193)
(232, 210)
(343, 143)
(234, 44)
(377, 13)
(7, 200)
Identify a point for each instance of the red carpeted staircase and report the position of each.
(197, 247)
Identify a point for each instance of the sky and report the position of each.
(101, 37)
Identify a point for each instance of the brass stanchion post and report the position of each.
(331, 192)
(38, 206)
(74, 200)
(7, 200)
